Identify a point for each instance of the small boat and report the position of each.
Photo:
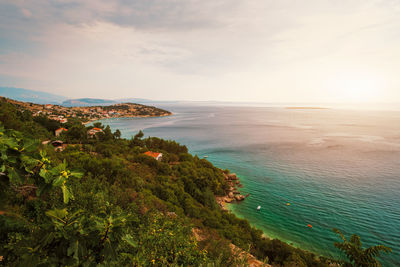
(205, 157)
(259, 207)
(309, 225)
(287, 204)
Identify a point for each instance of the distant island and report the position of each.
(88, 114)
(32, 96)
(306, 108)
(80, 102)
(40, 97)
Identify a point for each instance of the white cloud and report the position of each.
(222, 50)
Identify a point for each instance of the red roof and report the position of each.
(97, 129)
(152, 154)
(62, 129)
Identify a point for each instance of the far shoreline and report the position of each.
(127, 117)
(306, 108)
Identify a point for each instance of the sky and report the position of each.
(225, 50)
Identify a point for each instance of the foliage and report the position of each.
(13, 118)
(164, 242)
(122, 207)
(356, 254)
(28, 172)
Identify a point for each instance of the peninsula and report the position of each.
(88, 114)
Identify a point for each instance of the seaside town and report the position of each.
(85, 115)
(89, 114)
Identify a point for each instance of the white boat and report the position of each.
(205, 157)
(259, 207)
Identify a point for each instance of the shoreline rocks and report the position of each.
(232, 194)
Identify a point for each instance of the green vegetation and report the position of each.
(102, 201)
(357, 255)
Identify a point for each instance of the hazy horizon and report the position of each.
(235, 51)
(34, 94)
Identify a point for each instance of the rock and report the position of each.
(228, 200)
(230, 195)
(232, 176)
(239, 197)
(237, 182)
(240, 185)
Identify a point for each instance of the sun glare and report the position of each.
(355, 89)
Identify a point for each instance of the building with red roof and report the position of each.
(94, 131)
(155, 155)
(60, 131)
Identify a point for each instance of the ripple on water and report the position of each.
(337, 169)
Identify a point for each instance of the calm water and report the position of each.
(336, 168)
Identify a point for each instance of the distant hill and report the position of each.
(38, 97)
(31, 96)
(134, 100)
(81, 102)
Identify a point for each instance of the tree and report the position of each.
(106, 135)
(50, 125)
(137, 140)
(117, 134)
(139, 135)
(77, 134)
(98, 125)
(357, 255)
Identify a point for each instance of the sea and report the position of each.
(325, 168)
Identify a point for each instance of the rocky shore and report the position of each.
(232, 194)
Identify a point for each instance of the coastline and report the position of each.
(227, 201)
(265, 177)
(229, 204)
(232, 195)
(139, 116)
(270, 236)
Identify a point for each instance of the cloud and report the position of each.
(196, 49)
(140, 14)
(26, 13)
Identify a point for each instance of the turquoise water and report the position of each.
(337, 168)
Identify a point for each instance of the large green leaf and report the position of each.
(73, 249)
(30, 145)
(10, 142)
(46, 175)
(58, 214)
(29, 163)
(14, 176)
(77, 174)
(59, 181)
(130, 240)
(67, 195)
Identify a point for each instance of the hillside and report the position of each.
(39, 97)
(31, 95)
(80, 102)
(99, 199)
(86, 114)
